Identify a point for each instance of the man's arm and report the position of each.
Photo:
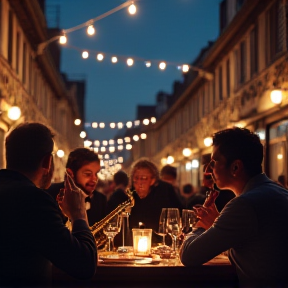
(236, 223)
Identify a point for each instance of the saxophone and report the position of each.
(97, 228)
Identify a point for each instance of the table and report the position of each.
(216, 273)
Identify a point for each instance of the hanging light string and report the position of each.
(63, 39)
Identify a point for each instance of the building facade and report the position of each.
(32, 81)
(248, 61)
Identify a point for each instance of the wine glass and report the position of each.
(173, 225)
(111, 229)
(189, 219)
(162, 230)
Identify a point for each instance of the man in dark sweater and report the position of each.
(33, 234)
(83, 165)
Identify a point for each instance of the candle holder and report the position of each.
(142, 241)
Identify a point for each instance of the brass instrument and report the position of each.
(97, 228)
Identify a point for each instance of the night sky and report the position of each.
(170, 30)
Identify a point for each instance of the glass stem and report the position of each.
(174, 242)
(163, 240)
(110, 244)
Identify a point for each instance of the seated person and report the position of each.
(151, 195)
(83, 165)
(190, 197)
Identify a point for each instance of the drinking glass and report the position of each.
(173, 225)
(189, 219)
(162, 230)
(111, 229)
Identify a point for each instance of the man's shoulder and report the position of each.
(99, 195)
(54, 189)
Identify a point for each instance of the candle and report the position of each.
(142, 241)
(142, 244)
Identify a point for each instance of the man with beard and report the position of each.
(33, 234)
(83, 166)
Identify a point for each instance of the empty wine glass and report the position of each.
(111, 229)
(173, 225)
(189, 219)
(162, 230)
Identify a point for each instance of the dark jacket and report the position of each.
(33, 236)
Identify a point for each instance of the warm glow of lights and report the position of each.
(129, 124)
(135, 137)
(101, 125)
(63, 39)
(82, 134)
(111, 149)
(85, 54)
(14, 113)
(148, 64)
(153, 120)
(128, 146)
(77, 122)
(188, 166)
(114, 59)
(137, 122)
(276, 96)
(111, 142)
(105, 142)
(163, 161)
(130, 61)
(100, 56)
(94, 125)
(120, 125)
(120, 141)
(60, 153)
(279, 156)
(261, 133)
(127, 139)
(87, 143)
(132, 9)
(96, 150)
(146, 121)
(170, 159)
(106, 156)
(112, 125)
(187, 152)
(143, 135)
(120, 159)
(185, 68)
(90, 30)
(195, 163)
(120, 147)
(162, 65)
(208, 141)
(97, 143)
(103, 149)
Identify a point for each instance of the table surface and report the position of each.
(217, 272)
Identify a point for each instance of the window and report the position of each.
(10, 37)
(254, 51)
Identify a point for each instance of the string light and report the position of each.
(130, 61)
(77, 122)
(63, 39)
(100, 56)
(91, 30)
(132, 9)
(85, 54)
(83, 134)
(162, 65)
(114, 59)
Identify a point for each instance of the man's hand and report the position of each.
(206, 215)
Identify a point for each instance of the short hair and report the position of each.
(26, 146)
(188, 188)
(169, 170)
(80, 157)
(121, 177)
(240, 144)
(145, 164)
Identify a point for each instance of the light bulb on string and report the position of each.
(162, 65)
(77, 122)
(185, 68)
(129, 124)
(146, 121)
(94, 124)
(128, 146)
(105, 142)
(97, 143)
(85, 54)
(100, 56)
(63, 39)
(112, 125)
(114, 59)
(120, 141)
(83, 134)
(148, 64)
(14, 113)
(102, 125)
(91, 30)
(153, 120)
(143, 135)
(127, 139)
(132, 9)
(135, 137)
(130, 61)
(120, 125)
(111, 142)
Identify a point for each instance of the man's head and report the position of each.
(168, 174)
(84, 165)
(144, 174)
(121, 178)
(29, 150)
(236, 152)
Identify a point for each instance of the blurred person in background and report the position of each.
(282, 181)
(191, 197)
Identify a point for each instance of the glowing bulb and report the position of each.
(77, 122)
(127, 139)
(102, 125)
(100, 57)
(280, 156)
(120, 159)
(129, 124)
(148, 64)
(85, 54)
(111, 149)
(63, 39)
(106, 156)
(143, 135)
(60, 153)
(132, 9)
(83, 134)
(195, 163)
(185, 68)
(94, 125)
(114, 59)
(128, 147)
(153, 120)
(90, 30)
(186, 152)
(120, 141)
(120, 147)
(146, 121)
(112, 125)
(87, 143)
(276, 96)
(135, 137)
(14, 113)
(130, 61)
(162, 65)
(120, 125)
(208, 141)
(163, 161)
(111, 142)
(105, 142)
(137, 122)
(170, 159)
(97, 143)
(103, 149)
